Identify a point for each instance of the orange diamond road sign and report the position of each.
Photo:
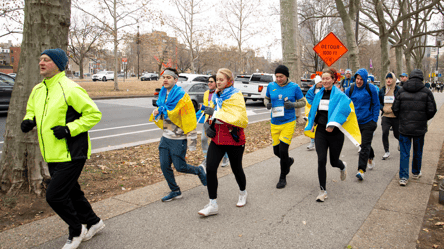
(124, 59)
(330, 49)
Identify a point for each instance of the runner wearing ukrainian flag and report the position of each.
(225, 126)
(282, 97)
(331, 116)
(175, 115)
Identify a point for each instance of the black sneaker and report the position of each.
(281, 183)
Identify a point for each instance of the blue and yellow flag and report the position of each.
(230, 107)
(178, 108)
(341, 113)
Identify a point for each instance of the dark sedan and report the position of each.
(6, 85)
(305, 85)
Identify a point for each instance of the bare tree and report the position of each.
(82, 37)
(123, 13)
(45, 26)
(11, 17)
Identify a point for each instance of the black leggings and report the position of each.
(214, 156)
(281, 151)
(386, 123)
(328, 140)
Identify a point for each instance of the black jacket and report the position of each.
(414, 105)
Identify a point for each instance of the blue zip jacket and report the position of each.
(361, 99)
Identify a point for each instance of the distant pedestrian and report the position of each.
(282, 97)
(331, 116)
(225, 127)
(176, 116)
(414, 105)
(309, 96)
(389, 120)
(348, 80)
(208, 95)
(403, 77)
(63, 113)
(427, 84)
(433, 86)
(366, 101)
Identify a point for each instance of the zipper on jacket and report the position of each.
(41, 123)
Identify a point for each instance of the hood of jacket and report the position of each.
(364, 75)
(415, 82)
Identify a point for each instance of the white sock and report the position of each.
(243, 192)
(213, 201)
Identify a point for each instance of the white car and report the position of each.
(185, 78)
(12, 74)
(103, 75)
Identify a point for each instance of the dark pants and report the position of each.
(174, 151)
(67, 199)
(281, 151)
(405, 143)
(386, 123)
(215, 154)
(324, 141)
(367, 152)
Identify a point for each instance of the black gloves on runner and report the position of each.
(209, 130)
(61, 132)
(289, 105)
(268, 106)
(209, 111)
(27, 125)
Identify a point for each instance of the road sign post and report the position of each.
(330, 49)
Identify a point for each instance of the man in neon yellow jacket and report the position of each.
(63, 113)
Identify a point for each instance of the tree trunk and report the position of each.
(352, 47)
(81, 66)
(385, 61)
(408, 62)
(46, 25)
(398, 52)
(290, 42)
(116, 44)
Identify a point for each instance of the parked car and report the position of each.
(256, 87)
(241, 78)
(195, 89)
(6, 85)
(121, 75)
(188, 78)
(12, 74)
(149, 77)
(305, 85)
(103, 75)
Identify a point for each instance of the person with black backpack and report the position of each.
(366, 100)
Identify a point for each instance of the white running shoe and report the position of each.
(386, 155)
(93, 230)
(359, 149)
(371, 165)
(210, 209)
(242, 199)
(225, 162)
(403, 182)
(416, 177)
(311, 146)
(75, 242)
(322, 196)
(344, 172)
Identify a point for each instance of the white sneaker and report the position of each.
(204, 163)
(386, 155)
(416, 177)
(322, 196)
(359, 150)
(93, 230)
(75, 242)
(225, 162)
(344, 172)
(242, 199)
(311, 146)
(403, 182)
(210, 209)
(371, 165)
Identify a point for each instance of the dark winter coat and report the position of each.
(414, 105)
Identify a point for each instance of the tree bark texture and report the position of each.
(46, 25)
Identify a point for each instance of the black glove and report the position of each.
(289, 105)
(61, 132)
(268, 106)
(234, 134)
(209, 130)
(209, 111)
(27, 125)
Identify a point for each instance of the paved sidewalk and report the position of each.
(375, 213)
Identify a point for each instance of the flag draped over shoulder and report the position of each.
(178, 108)
(230, 107)
(341, 113)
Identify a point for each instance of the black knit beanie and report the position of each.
(283, 70)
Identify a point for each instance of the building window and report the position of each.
(12, 59)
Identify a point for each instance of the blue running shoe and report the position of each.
(173, 195)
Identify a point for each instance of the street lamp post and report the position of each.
(138, 51)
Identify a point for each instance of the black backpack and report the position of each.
(367, 87)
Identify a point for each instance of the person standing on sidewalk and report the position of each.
(366, 100)
(347, 81)
(201, 119)
(309, 96)
(282, 97)
(403, 77)
(414, 105)
(176, 116)
(225, 127)
(331, 116)
(386, 98)
(63, 113)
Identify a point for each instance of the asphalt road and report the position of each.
(125, 122)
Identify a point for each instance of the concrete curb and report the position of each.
(30, 235)
(397, 217)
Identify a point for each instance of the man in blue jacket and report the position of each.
(347, 81)
(366, 100)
